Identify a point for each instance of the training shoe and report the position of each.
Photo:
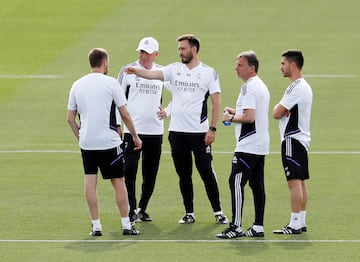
(131, 232)
(133, 217)
(187, 219)
(221, 219)
(287, 230)
(95, 232)
(229, 233)
(250, 232)
(304, 229)
(143, 216)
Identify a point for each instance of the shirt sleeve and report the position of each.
(214, 82)
(118, 94)
(249, 97)
(291, 98)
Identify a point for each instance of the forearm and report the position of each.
(149, 74)
(71, 119)
(126, 118)
(215, 109)
(280, 111)
(248, 116)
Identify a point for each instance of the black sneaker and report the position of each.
(287, 230)
(221, 219)
(131, 232)
(143, 216)
(250, 232)
(133, 217)
(187, 219)
(97, 232)
(229, 233)
(304, 229)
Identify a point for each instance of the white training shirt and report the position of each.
(298, 100)
(253, 138)
(143, 100)
(190, 89)
(96, 97)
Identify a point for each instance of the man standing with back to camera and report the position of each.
(192, 82)
(144, 99)
(294, 111)
(95, 98)
(251, 121)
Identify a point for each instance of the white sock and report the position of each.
(96, 224)
(218, 213)
(295, 220)
(303, 218)
(125, 222)
(258, 228)
(193, 214)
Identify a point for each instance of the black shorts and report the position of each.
(294, 159)
(110, 162)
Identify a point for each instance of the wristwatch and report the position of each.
(212, 128)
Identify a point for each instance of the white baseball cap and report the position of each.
(149, 45)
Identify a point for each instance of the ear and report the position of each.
(105, 63)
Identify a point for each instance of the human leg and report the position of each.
(182, 159)
(150, 165)
(112, 167)
(91, 195)
(204, 165)
(257, 185)
(131, 158)
(303, 206)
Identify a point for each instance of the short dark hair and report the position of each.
(193, 40)
(97, 56)
(251, 58)
(296, 56)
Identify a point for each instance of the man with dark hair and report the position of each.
(251, 121)
(94, 98)
(294, 111)
(192, 82)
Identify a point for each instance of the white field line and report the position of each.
(40, 151)
(180, 241)
(329, 76)
(30, 76)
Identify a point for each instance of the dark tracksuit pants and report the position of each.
(182, 147)
(151, 152)
(247, 167)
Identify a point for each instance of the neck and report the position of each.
(97, 70)
(147, 66)
(193, 63)
(295, 75)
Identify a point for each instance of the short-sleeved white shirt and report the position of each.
(190, 89)
(96, 97)
(253, 138)
(143, 100)
(298, 100)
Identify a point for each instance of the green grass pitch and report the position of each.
(44, 44)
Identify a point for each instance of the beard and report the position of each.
(186, 59)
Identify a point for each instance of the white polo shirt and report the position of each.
(190, 89)
(143, 100)
(96, 97)
(253, 138)
(298, 100)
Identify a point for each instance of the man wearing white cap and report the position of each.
(143, 101)
(191, 130)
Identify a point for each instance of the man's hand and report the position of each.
(130, 70)
(161, 114)
(209, 137)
